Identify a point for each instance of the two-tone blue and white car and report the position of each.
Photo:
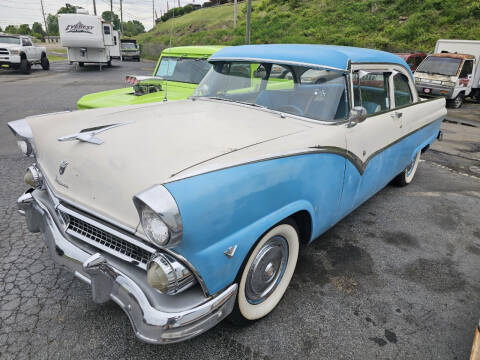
(186, 212)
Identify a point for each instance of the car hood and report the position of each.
(10, 46)
(125, 96)
(155, 143)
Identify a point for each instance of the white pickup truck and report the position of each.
(18, 52)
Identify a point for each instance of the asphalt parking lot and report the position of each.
(399, 278)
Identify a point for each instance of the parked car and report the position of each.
(413, 59)
(452, 71)
(18, 52)
(182, 68)
(187, 220)
(129, 49)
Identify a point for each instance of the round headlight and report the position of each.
(168, 275)
(33, 177)
(154, 227)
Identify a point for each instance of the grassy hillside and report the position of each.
(383, 24)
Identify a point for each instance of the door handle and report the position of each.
(396, 114)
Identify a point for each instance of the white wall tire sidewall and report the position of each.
(257, 311)
(409, 177)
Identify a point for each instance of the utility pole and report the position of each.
(111, 10)
(44, 21)
(153, 14)
(249, 14)
(235, 14)
(94, 7)
(121, 17)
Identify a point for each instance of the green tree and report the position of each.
(68, 9)
(107, 16)
(11, 29)
(52, 25)
(1, 29)
(24, 29)
(133, 28)
(37, 28)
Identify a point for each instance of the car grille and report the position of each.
(106, 241)
(3, 51)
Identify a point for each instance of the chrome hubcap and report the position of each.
(266, 270)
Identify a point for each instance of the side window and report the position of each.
(418, 60)
(402, 93)
(280, 78)
(106, 30)
(26, 42)
(467, 69)
(411, 61)
(373, 93)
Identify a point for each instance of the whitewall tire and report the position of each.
(267, 273)
(407, 175)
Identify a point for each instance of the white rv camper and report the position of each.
(88, 39)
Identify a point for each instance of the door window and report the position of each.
(371, 91)
(402, 93)
(466, 69)
(418, 60)
(106, 30)
(26, 42)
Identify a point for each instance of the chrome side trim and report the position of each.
(359, 164)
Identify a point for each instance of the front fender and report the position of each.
(235, 206)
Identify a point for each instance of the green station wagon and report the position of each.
(181, 67)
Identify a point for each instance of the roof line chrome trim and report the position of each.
(275, 61)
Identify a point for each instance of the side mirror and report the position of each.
(357, 115)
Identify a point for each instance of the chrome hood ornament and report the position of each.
(88, 135)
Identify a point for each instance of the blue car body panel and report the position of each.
(235, 206)
(320, 55)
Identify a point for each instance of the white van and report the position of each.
(452, 71)
(88, 39)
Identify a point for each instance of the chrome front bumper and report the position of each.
(150, 312)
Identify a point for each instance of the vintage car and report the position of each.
(413, 59)
(186, 212)
(181, 67)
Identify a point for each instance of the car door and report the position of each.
(28, 48)
(465, 78)
(373, 159)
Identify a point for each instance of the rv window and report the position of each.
(106, 30)
(467, 69)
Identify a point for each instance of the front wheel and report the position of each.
(458, 101)
(407, 175)
(267, 273)
(24, 67)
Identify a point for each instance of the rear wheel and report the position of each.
(267, 273)
(81, 64)
(109, 63)
(407, 175)
(45, 63)
(25, 66)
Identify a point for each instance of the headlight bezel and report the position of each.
(177, 276)
(158, 201)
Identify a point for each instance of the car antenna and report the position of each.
(169, 46)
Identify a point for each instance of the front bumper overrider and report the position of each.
(149, 311)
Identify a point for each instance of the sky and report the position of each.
(16, 12)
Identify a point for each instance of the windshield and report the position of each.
(440, 65)
(129, 45)
(185, 70)
(318, 94)
(9, 40)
